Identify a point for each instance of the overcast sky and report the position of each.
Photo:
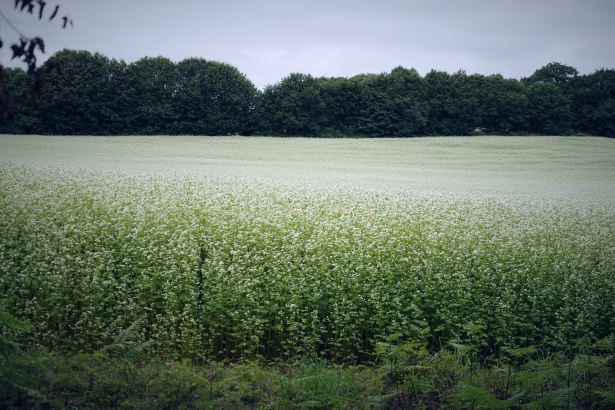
(269, 39)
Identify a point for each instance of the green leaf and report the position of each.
(12, 323)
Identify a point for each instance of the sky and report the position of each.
(268, 40)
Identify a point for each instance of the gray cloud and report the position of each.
(269, 39)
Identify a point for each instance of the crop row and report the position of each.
(214, 267)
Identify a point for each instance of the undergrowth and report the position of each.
(404, 375)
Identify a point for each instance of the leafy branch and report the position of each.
(26, 49)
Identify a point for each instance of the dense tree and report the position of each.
(503, 104)
(294, 106)
(152, 85)
(548, 109)
(441, 99)
(389, 105)
(24, 118)
(407, 91)
(341, 97)
(453, 103)
(375, 108)
(593, 103)
(85, 97)
(95, 95)
(556, 73)
(213, 98)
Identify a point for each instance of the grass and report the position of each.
(450, 262)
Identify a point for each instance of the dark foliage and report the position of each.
(95, 95)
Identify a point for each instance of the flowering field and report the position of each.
(206, 265)
(560, 167)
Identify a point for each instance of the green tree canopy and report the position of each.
(213, 98)
(503, 103)
(452, 102)
(294, 106)
(85, 97)
(593, 102)
(548, 109)
(391, 105)
(152, 86)
(93, 94)
(557, 73)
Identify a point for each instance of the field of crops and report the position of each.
(221, 264)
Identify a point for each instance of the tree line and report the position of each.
(91, 94)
